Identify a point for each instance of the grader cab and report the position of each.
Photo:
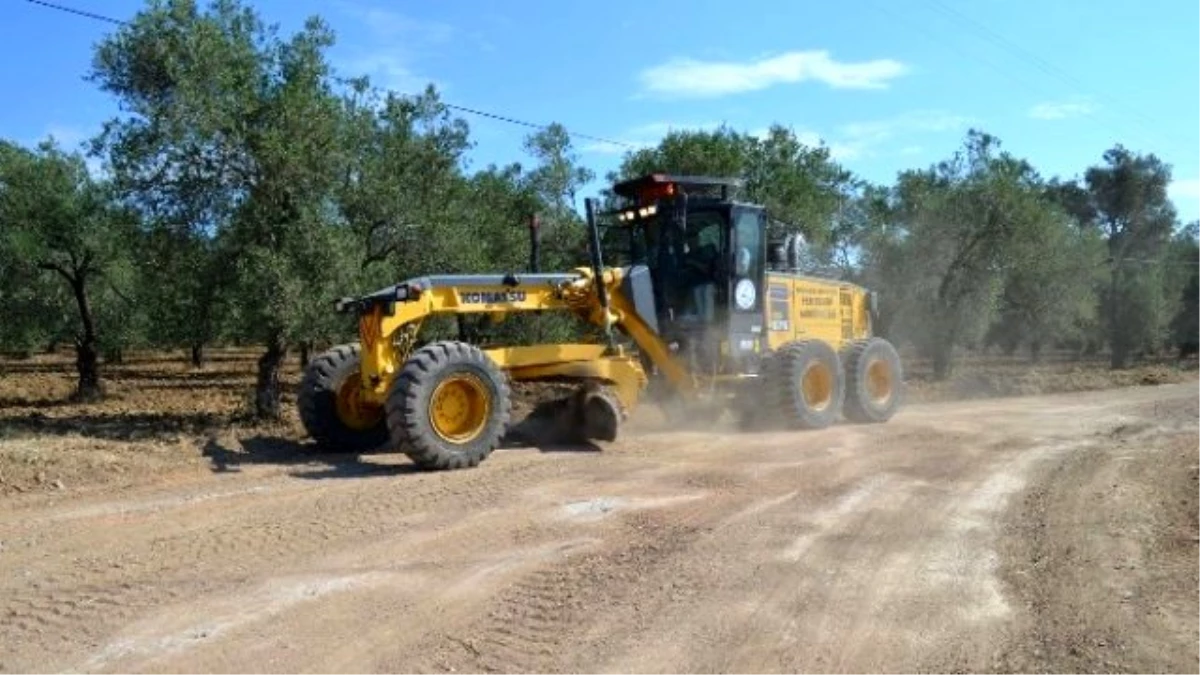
(700, 308)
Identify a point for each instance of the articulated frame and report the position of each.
(390, 318)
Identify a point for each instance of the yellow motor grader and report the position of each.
(700, 308)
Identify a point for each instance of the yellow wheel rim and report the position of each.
(879, 382)
(354, 411)
(817, 386)
(459, 408)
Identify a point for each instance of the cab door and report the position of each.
(747, 269)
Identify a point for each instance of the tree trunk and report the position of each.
(1119, 354)
(1035, 351)
(87, 358)
(942, 364)
(87, 362)
(267, 393)
(1117, 338)
(197, 356)
(305, 350)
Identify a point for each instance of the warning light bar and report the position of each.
(633, 214)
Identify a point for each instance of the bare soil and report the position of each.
(1043, 533)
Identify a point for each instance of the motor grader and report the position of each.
(699, 309)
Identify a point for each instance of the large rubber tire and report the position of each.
(874, 381)
(805, 384)
(410, 405)
(318, 403)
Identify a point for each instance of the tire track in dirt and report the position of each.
(1102, 552)
(855, 548)
(587, 610)
(846, 556)
(147, 568)
(534, 625)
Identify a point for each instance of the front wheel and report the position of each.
(449, 407)
(332, 408)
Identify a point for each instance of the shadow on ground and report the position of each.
(544, 429)
(42, 402)
(313, 463)
(115, 426)
(310, 462)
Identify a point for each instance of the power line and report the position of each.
(460, 108)
(1032, 58)
(882, 6)
(535, 125)
(78, 12)
(1034, 88)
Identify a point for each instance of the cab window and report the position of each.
(748, 244)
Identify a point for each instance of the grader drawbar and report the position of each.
(698, 305)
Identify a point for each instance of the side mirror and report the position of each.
(776, 253)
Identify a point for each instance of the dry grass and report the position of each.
(162, 417)
(159, 416)
(999, 376)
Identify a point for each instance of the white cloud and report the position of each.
(861, 139)
(851, 141)
(699, 79)
(809, 138)
(391, 24)
(72, 138)
(1185, 188)
(644, 136)
(397, 42)
(390, 71)
(1185, 193)
(1060, 110)
(69, 137)
(916, 121)
(812, 139)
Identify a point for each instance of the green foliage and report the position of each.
(248, 131)
(37, 308)
(558, 176)
(1048, 295)
(1128, 197)
(1181, 277)
(955, 232)
(802, 187)
(250, 186)
(57, 223)
(399, 178)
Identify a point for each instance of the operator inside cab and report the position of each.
(700, 270)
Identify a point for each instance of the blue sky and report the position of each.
(886, 84)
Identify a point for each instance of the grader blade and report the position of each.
(595, 413)
(590, 413)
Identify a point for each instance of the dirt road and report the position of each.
(1027, 534)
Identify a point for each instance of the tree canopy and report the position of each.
(247, 184)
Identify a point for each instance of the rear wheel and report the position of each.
(874, 380)
(804, 380)
(449, 407)
(332, 409)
